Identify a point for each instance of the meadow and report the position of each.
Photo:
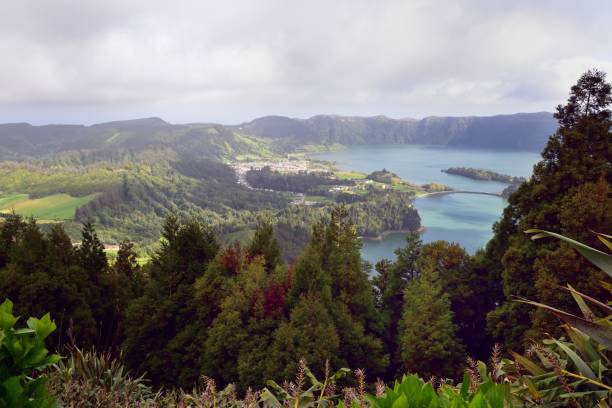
(51, 207)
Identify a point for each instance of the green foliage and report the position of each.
(480, 174)
(389, 285)
(427, 340)
(573, 370)
(300, 394)
(44, 272)
(470, 291)
(88, 379)
(264, 244)
(23, 357)
(413, 392)
(569, 194)
(302, 182)
(161, 330)
(330, 268)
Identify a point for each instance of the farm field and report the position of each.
(52, 207)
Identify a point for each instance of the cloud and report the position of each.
(193, 60)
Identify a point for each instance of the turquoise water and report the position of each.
(463, 218)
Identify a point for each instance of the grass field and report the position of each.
(56, 206)
(350, 175)
(7, 201)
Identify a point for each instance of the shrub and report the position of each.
(23, 356)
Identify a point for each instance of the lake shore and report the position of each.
(386, 233)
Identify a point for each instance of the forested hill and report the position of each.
(194, 140)
(518, 131)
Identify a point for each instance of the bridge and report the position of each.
(460, 192)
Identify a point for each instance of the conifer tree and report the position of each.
(468, 291)
(331, 269)
(428, 343)
(264, 244)
(390, 284)
(569, 193)
(160, 332)
(42, 274)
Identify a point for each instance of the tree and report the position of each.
(160, 334)
(43, 273)
(569, 193)
(311, 334)
(264, 244)
(91, 253)
(390, 284)
(427, 335)
(330, 268)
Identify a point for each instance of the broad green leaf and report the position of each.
(401, 402)
(43, 326)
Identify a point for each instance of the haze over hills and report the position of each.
(521, 131)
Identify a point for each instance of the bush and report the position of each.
(23, 356)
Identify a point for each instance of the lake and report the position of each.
(463, 218)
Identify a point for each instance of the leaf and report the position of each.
(598, 258)
(269, 399)
(531, 388)
(401, 402)
(580, 364)
(599, 384)
(465, 385)
(590, 299)
(582, 343)
(532, 367)
(43, 326)
(597, 332)
(605, 240)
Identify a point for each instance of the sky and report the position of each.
(86, 61)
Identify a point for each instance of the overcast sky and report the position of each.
(227, 61)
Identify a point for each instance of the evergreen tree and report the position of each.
(428, 343)
(264, 244)
(238, 343)
(569, 193)
(311, 334)
(468, 290)
(42, 274)
(390, 283)
(91, 253)
(160, 332)
(331, 270)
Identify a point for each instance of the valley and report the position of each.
(127, 176)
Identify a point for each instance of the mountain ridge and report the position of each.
(520, 131)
